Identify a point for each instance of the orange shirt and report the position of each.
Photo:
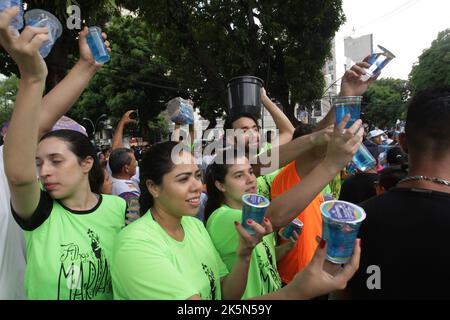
(302, 253)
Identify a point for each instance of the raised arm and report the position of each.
(117, 140)
(342, 147)
(351, 85)
(282, 155)
(21, 141)
(61, 98)
(284, 125)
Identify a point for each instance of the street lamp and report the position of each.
(94, 126)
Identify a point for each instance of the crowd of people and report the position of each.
(78, 223)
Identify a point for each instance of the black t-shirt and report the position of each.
(406, 235)
(359, 188)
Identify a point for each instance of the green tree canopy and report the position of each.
(8, 91)
(433, 68)
(135, 78)
(385, 102)
(92, 12)
(208, 42)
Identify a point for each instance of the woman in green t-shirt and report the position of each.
(69, 226)
(227, 182)
(168, 254)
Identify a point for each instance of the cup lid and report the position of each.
(342, 211)
(255, 200)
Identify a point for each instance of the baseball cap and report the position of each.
(375, 133)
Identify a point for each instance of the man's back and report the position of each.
(406, 235)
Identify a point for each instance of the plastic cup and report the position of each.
(97, 45)
(17, 21)
(287, 232)
(41, 18)
(377, 62)
(363, 159)
(180, 111)
(254, 208)
(340, 226)
(244, 95)
(347, 105)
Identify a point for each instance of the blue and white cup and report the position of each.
(97, 45)
(363, 159)
(41, 18)
(254, 208)
(340, 226)
(287, 232)
(347, 105)
(17, 21)
(377, 62)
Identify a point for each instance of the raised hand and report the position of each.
(320, 277)
(343, 144)
(24, 48)
(85, 51)
(246, 241)
(351, 84)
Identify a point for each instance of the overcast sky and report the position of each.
(405, 27)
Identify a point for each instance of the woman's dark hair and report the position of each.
(155, 164)
(80, 145)
(217, 171)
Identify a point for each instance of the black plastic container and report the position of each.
(244, 95)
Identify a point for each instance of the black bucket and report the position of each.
(244, 96)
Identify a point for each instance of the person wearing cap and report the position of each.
(376, 136)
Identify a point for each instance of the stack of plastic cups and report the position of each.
(377, 62)
(41, 18)
(17, 22)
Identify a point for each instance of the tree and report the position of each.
(385, 102)
(8, 91)
(93, 12)
(433, 68)
(208, 42)
(135, 77)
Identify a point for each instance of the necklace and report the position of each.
(430, 179)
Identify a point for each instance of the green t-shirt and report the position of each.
(149, 264)
(69, 252)
(264, 183)
(263, 275)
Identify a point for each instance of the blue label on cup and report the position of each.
(343, 212)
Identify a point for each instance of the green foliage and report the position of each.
(58, 62)
(207, 43)
(433, 68)
(385, 102)
(128, 80)
(8, 91)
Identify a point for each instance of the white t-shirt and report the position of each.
(12, 245)
(121, 187)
